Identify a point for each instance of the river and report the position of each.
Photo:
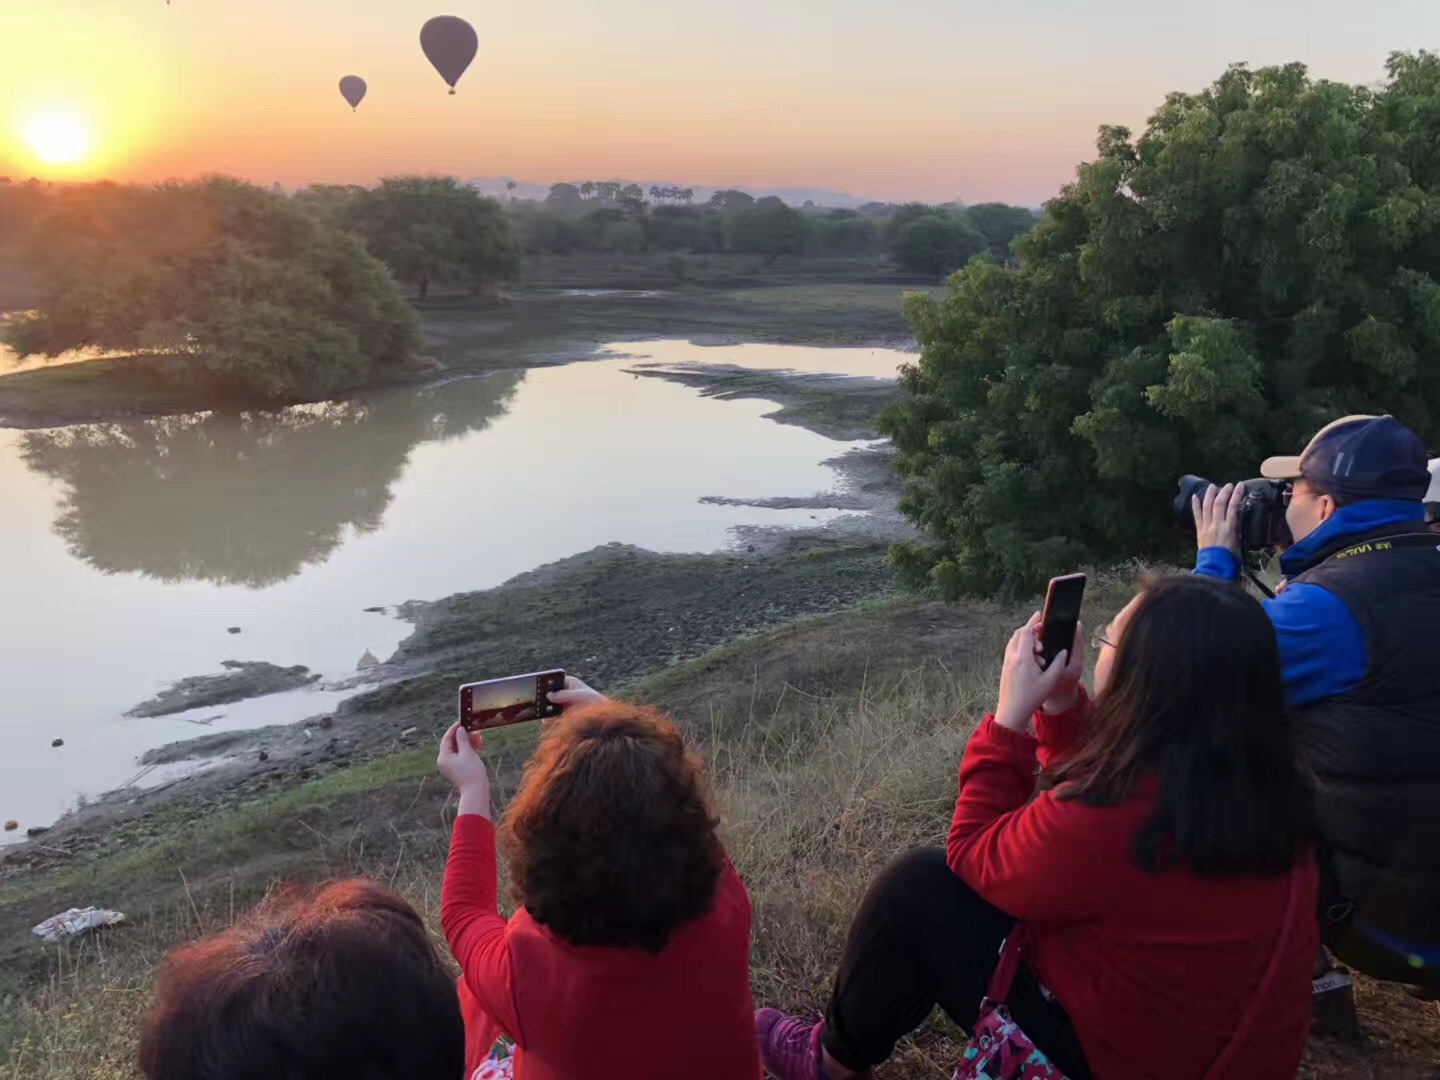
(137, 553)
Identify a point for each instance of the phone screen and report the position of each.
(1061, 615)
(515, 700)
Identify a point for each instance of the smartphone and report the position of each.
(500, 702)
(1060, 616)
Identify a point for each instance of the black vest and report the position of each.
(1375, 749)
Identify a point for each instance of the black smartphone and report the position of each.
(514, 700)
(1060, 616)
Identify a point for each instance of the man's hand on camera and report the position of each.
(1217, 517)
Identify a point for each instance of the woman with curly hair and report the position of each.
(628, 955)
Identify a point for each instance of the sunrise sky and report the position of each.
(890, 99)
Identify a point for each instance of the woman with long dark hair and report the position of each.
(1160, 886)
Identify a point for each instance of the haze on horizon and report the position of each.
(898, 100)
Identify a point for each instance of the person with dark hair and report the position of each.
(629, 953)
(1158, 888)
(1358, 619)
(342, 982)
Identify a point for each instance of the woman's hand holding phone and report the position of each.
(1026, 686)
(459, 763)
(1067, 692)
(575, 693)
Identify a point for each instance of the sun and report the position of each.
(57, 137)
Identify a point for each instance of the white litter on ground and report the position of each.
(76, 921)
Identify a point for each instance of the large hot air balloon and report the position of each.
(352, 89)
(450, 44)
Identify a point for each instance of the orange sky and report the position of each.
(895, 99)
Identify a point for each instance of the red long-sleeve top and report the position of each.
(1155, 971)
(596, 1012)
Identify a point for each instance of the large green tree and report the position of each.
(936, 243)
(436, 230)
(1263, 258)
(234, 286)
(1000, 224)
(771, 231)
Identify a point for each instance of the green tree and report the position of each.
(729, 200)
(773, 231)
(897, 217)
(1000, 225)
(546, 233)
(1263, 258)
(844, 232)
(567, 198)
(632, 200)
(436, 230)
(936, 243)
(259, 299)
(684, 228)
(330, 203)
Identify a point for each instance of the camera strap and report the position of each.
(1352, 548)
(1385, 543)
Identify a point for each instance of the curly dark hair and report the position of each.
(341, 981)
(611, 838)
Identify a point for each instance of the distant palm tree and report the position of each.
(686, 195)
(510, 187)
(587, 189)
(658, 194)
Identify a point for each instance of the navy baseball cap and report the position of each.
(1359, 457)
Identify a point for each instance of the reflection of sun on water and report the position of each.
(57, 137)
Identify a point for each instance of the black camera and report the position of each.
(1262, 515)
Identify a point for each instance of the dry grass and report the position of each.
(833, 745)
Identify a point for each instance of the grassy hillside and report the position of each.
(833, 744)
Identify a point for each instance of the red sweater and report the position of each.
(1154, 971)
(596, 1012)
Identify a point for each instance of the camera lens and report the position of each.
(1190, 486)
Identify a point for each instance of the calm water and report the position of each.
(127, 551)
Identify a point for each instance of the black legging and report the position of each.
(922, 938)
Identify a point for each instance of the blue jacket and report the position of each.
(1322, 651)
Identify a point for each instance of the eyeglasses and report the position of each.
(1098, 640)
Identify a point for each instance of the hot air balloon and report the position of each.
(450, 44)
(352, 89)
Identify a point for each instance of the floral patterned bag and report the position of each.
(999, 1050)
(500, 1064)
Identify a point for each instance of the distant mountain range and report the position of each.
(496, 186)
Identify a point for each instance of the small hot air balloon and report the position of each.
(352, 89)
(450, 44)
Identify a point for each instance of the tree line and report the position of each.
(610, 218)
(262, 296)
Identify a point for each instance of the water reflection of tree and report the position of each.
(246, 499)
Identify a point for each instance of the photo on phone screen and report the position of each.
(1061, 615)
(514, 700)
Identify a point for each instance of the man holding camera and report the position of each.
(1358, 622)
